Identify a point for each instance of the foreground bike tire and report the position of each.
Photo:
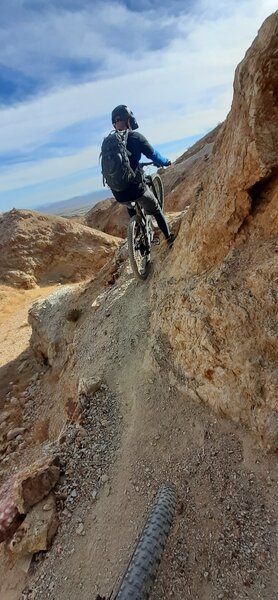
(133, 225)
(140, 575)
(158, 189)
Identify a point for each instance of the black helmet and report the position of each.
(123, 112)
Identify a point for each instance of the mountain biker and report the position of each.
(123, 120)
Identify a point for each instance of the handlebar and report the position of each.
(148, 164)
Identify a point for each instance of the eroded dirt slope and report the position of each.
(223, 537)
(42, 249)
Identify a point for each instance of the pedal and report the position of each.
(155, 242)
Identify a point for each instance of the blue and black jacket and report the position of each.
(138, 145)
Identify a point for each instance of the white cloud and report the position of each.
(48, 170)
(179, 91)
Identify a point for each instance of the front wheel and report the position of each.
(141, 571)
(158, 190)
(138, 251)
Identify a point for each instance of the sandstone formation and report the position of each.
(10, 518)
(55, 319)
(36, 532)
(23, 490)
(108, 216)
(185, 178)
(216, 301)
(37, 249)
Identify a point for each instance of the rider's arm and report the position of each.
(149, 152)
(159, 160)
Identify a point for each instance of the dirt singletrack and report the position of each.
(222, 543)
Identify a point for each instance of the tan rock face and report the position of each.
(217, 297)
(108, 216)
(36, 532)
(35, 482)
(36, 249)
(185, 179)
(23, 490)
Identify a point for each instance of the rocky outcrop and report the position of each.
(23, 490)
(108, 216)
(45, 317)
(55, 319)
(38, 249)
(185, 178)
(216, 299)
(36, 532)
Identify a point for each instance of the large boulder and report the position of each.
(38, 249)
(216, 297)
(36, 532)
(108, 216)
(23, 490)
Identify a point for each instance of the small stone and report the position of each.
(81, 432)
(47, 507)
(73, 494)
(80, 529)
(14, 401)
(22, 366)
(13, 433)
(104, 478)
(14, 455)
(89, 386)
(4, 416)
(107, 490)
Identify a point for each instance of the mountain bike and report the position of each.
(140, 574)
(140, 232)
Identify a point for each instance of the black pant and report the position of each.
(151, 206)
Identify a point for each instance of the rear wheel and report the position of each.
(138, 251)
(139, 577)
(158, 190)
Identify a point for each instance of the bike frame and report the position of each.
(141, 212)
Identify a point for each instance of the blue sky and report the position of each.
(65, 64)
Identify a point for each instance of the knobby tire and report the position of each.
(131, 236)
(158, 189)
(140, 574)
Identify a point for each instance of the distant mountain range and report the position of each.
(74, 206)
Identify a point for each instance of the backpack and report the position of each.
(115, 165)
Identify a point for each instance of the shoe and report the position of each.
(170, 240)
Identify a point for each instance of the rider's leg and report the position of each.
(151, 206)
